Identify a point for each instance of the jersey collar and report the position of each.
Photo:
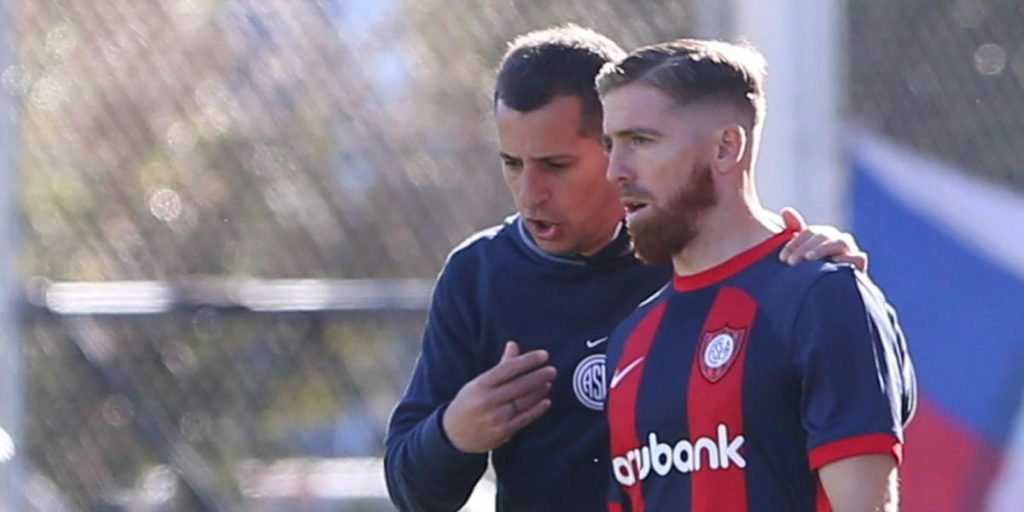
(733, 265)
(618, 247)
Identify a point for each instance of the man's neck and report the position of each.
(723, 235)
(611, 235)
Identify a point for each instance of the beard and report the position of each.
(668, 230)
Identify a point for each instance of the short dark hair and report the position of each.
(542, 65)
(694, 70)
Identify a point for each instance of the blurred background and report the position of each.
(220, 221)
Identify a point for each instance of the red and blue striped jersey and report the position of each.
(733, 386)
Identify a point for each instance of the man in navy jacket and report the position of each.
(512, 360)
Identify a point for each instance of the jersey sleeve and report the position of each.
(857, 382)
(423, 470)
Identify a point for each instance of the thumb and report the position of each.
(792, 219)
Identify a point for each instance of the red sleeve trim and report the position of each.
(859, 445)
(614, 507)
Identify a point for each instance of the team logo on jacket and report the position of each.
(718, 351)
(588, 382)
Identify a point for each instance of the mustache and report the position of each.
(541, 216)
(631, 191)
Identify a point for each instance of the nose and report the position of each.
(533, 186)
(618, 169)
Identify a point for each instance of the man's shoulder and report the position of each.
(652, 300)
(480, 257)
(807, 274)
(644, 309)
(484, 242)
(790, 287)
(841, 286)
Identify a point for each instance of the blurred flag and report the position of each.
(949, 251)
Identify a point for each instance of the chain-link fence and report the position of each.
(173, 140)
(278, 139)
(945, 77)
(172, 408)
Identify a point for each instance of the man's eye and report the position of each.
(638, 140)
(510, 163)
(607, 142)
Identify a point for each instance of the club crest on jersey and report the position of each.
(718, 350)
(588, 382)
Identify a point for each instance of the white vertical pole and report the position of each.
(11, 406)
(801, 160)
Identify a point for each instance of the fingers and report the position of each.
(792, 219)
(527, 402)
(831, 243)
(794, 250)
(859, 260)
(511, 350)
(839, 248)
(527, 416)
(512, 366)
(482, 416)
(833, 250)
(824, 249)
(816, 246)
(525, 385)
(519, 405)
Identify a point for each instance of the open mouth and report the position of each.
(542, 229)
(633, 205)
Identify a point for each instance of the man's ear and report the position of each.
(732, 145)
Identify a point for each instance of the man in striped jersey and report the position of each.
(745, 384)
